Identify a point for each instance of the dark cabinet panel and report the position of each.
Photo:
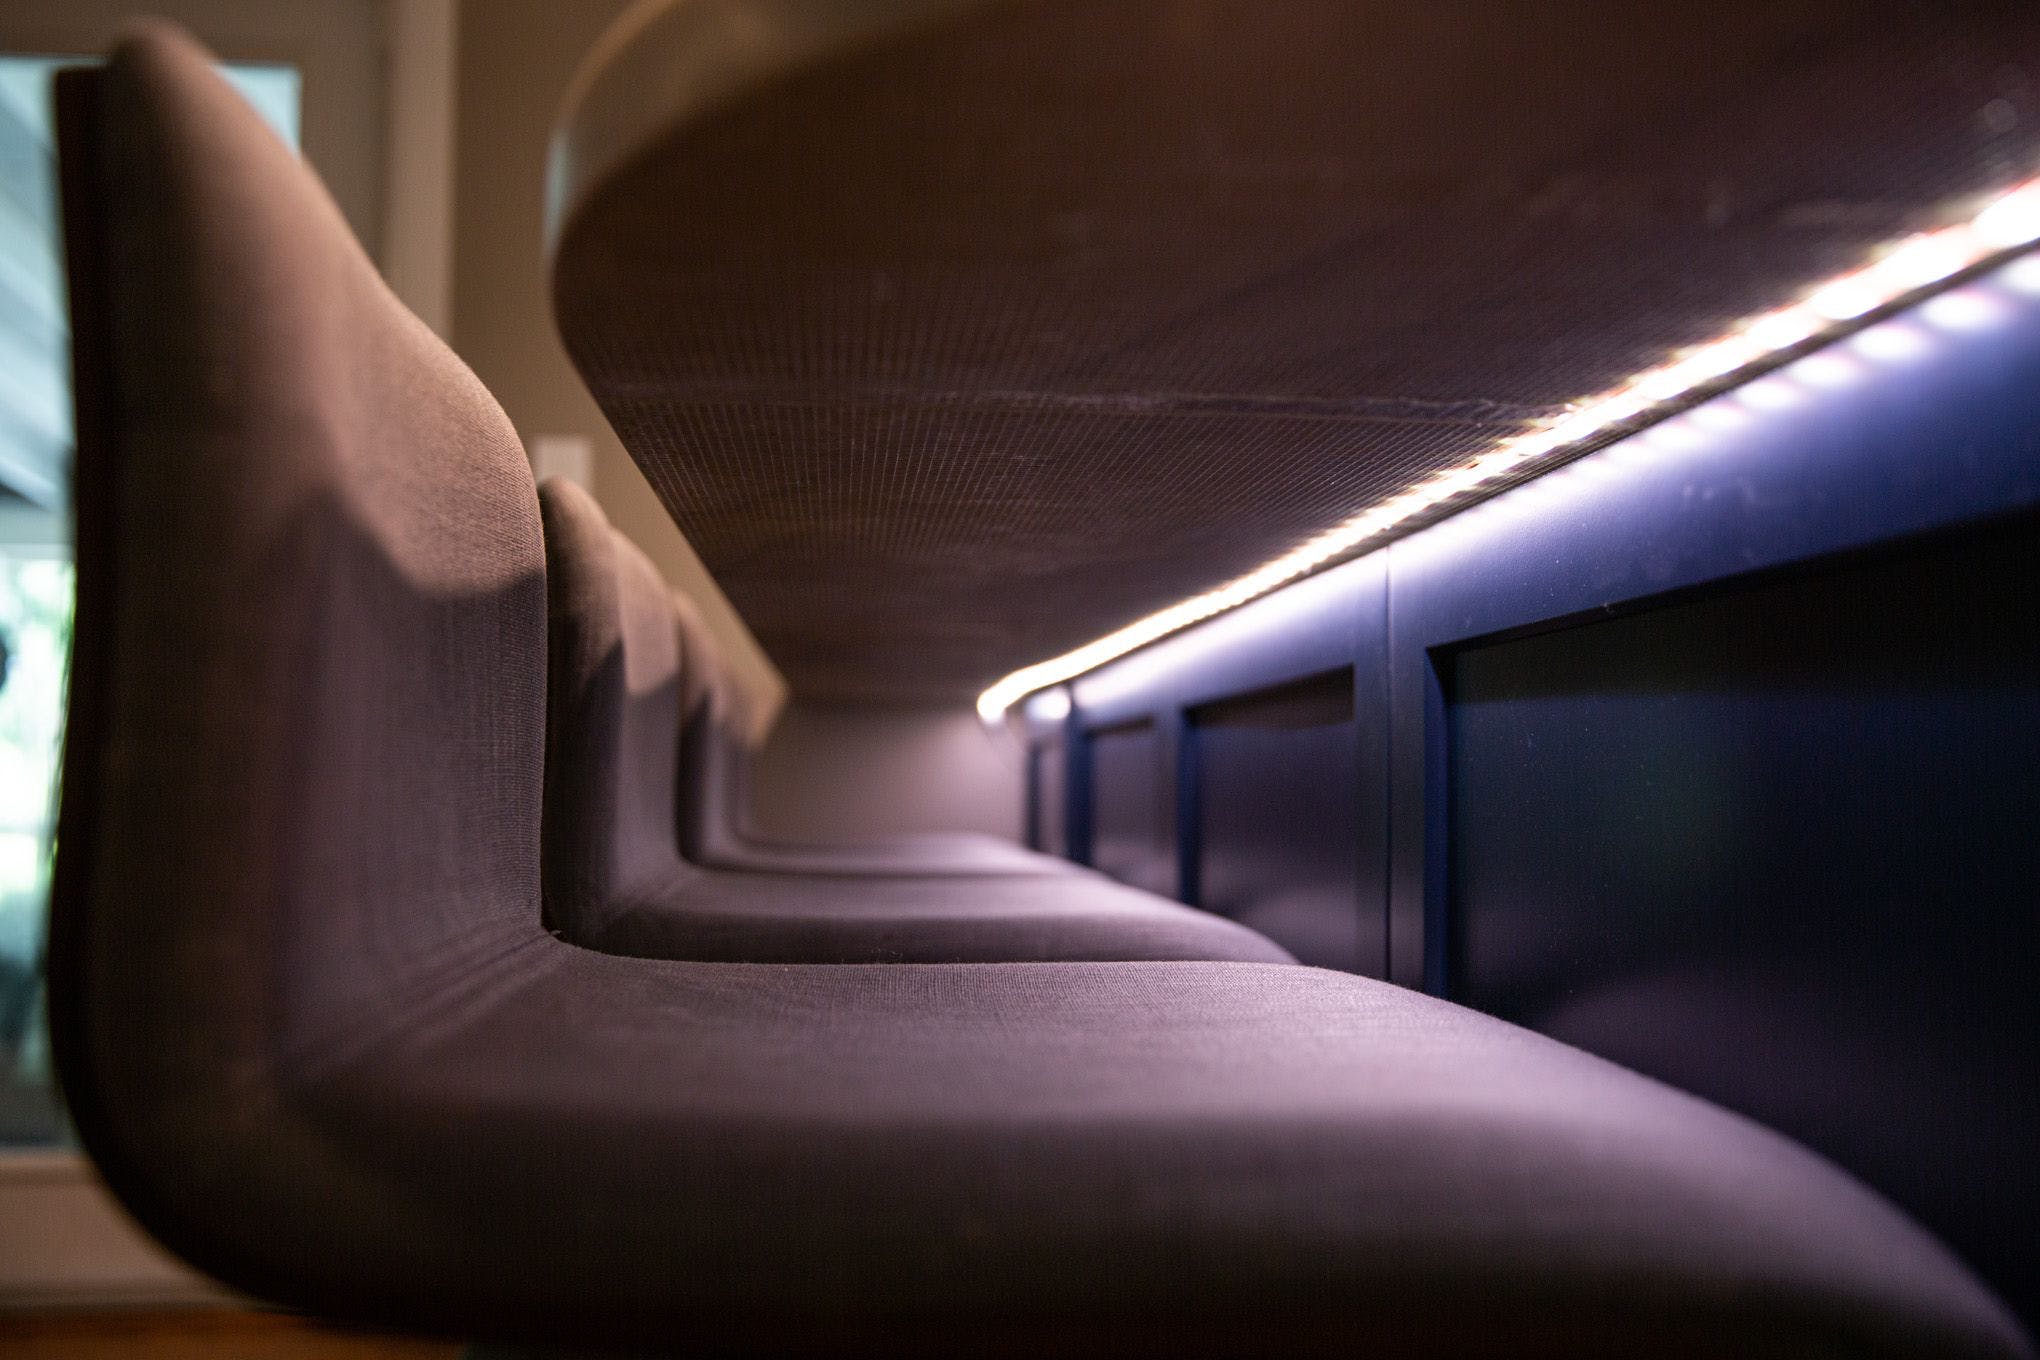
(1781, 846)
(1276, 788)
(1130, 808)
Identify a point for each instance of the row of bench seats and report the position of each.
(312, 1025)
(636, 736)
(717, 735)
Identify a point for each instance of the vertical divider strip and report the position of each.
(1189, 793)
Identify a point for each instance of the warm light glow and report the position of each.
(1051, 706)
(2009, 221)
(1927, 259)
(1783, 329)
(2013, 220)
(1846, 298)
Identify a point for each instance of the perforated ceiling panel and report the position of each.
(960, 348)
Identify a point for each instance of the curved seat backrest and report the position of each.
(302, 776)
(715, 748)
(616, 699)
(644, 730)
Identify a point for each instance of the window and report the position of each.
(35, 568)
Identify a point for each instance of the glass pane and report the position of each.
(35, 626)
(35, 567)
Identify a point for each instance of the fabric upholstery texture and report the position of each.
(313, 1031)
(615, 878)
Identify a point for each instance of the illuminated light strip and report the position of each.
(2007, 222)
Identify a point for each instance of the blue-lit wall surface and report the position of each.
(1132, 822)
(1712, 751)
(1269, 794)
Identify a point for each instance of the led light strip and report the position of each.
(2005, 223)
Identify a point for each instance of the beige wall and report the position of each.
(837, 773)
(515, 59)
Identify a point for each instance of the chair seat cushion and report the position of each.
(618, 767)
(930, 854)
(1195, 1159)
(789, 918)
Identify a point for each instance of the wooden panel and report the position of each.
(203, 1335)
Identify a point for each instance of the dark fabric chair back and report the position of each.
(615, 702)
(301, 786)
(714, 744)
